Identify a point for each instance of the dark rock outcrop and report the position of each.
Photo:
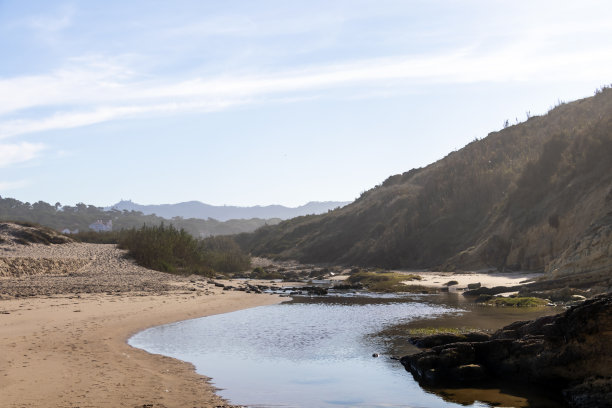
(496, 290)
(570, 352)
(446, 338)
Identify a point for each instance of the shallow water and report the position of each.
(313, 352)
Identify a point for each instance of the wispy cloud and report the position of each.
(20, 152)
(90, 90)
(69, 120)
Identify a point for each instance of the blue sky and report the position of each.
(261, 102)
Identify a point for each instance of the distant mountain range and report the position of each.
(197, 209)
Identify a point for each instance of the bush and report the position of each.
(261, 273)
(94, 237)
(167, 249)
(516, 301)
(224, 255)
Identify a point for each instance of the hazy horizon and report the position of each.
(243, 103)
(216, 205)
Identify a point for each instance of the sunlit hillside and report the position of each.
(523, 198)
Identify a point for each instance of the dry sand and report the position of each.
(63, 349)
(487, 279)
(63, 352)
(439, 280)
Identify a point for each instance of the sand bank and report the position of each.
(66, 312)
(72, 352)
(488, 279)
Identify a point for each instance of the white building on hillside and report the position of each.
(100, 226)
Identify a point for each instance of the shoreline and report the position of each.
(67, 312)
(69, 351)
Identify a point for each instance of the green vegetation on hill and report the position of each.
(521, 198)
(81, 216)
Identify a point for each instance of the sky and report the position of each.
(272, 102)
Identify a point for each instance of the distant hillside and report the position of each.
(196, 209)
(81, 216)
(533, 196)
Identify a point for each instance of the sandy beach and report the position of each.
(487, 279)
(63, 339)
(69, 352)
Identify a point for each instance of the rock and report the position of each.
(477, 336)
(491, 291)
(447, 338)
(315, 290)
(347, 286)
(436, 340)
(469, 373)
(594, 392)
(473, 286)
(570, 351)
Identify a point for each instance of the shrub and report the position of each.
(516, 301)
(94, 237)
(167, 249)
(224, 255)
(261, 273)
(386, 281)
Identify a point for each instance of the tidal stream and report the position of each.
(318, 351)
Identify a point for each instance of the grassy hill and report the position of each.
(526, 197)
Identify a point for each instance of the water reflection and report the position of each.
(312, 351)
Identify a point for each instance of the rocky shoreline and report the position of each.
(569, 353)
